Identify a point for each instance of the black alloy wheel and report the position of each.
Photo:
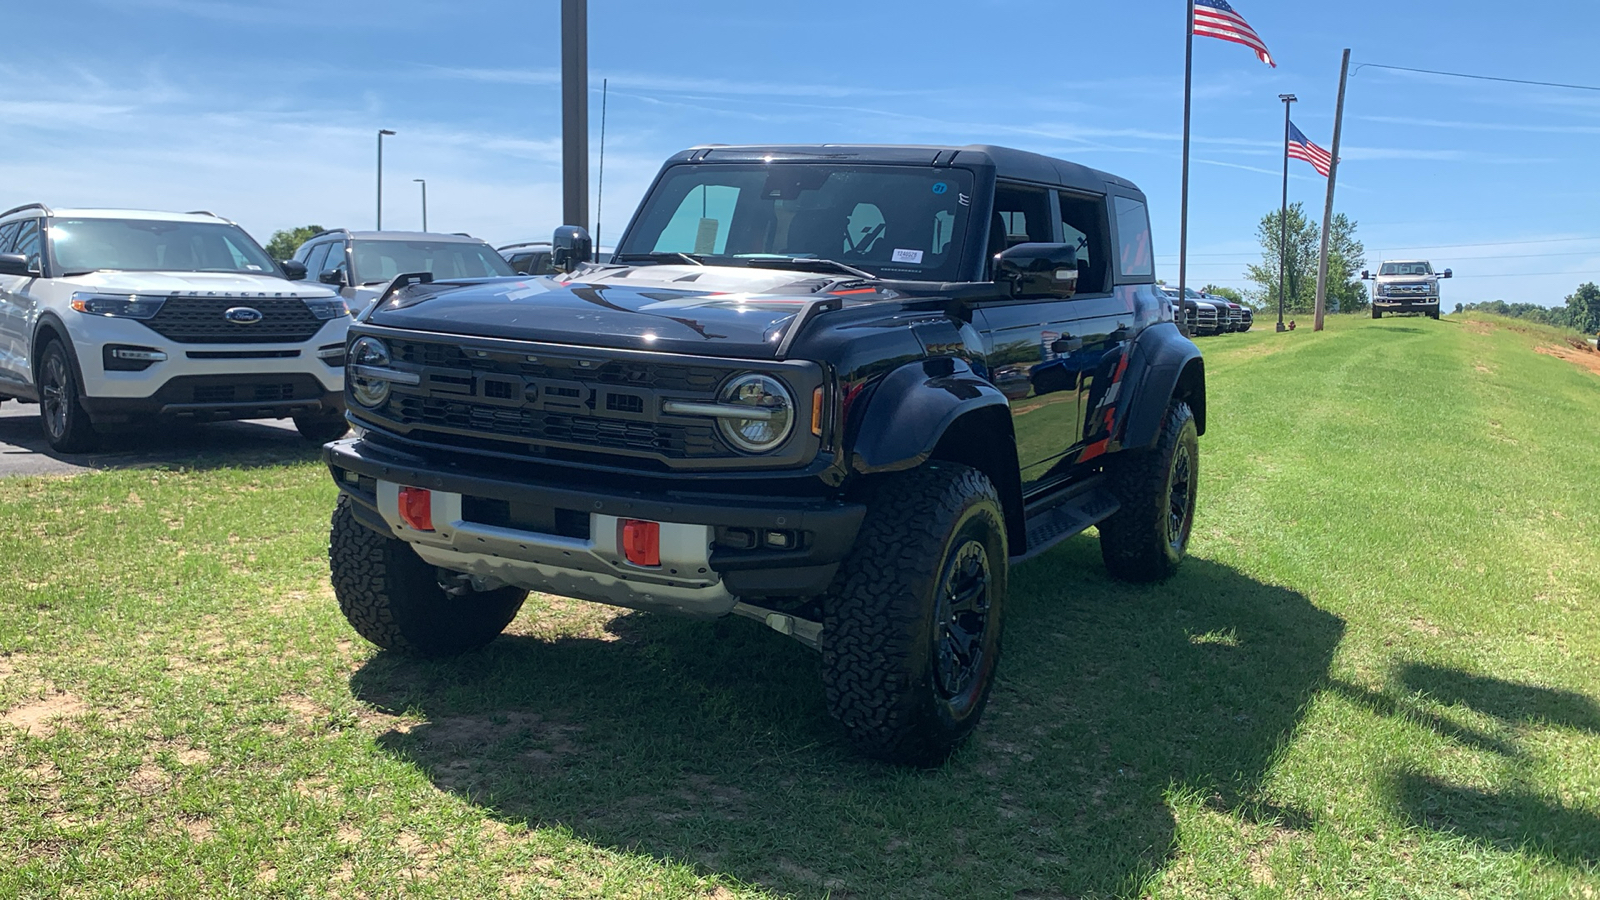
(963, 618)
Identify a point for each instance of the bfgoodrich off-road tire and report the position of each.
(394, 599)
(320, 428)
(66, 426)
(1146, 539)
(911, 629)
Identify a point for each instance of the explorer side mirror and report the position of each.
(570, 247)
(1038, 270)
(293, 270)
(14, 264)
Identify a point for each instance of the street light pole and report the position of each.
(381, 133)
(424, 183)
(1283, 215)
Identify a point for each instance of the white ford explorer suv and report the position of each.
(117, 318)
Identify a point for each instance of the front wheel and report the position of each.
(911, 630)
(1147, 537)
(1376, 314)
(66, 425)
(1434, 315)
(322, 427)
(394, 599)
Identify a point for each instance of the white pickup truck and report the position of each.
(1406, 286)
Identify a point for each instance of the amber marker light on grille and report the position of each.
(816, 411)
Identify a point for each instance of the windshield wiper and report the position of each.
(659, 256)
(810, 263)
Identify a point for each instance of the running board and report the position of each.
(1067, 515)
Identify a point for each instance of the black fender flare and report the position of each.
(909, 412)
(1161, 365)
(52, 323)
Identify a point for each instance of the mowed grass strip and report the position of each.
(1376, 677)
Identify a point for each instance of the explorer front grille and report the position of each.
(199, 320)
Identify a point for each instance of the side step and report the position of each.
(1065, 515)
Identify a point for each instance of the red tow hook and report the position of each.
(416, 508)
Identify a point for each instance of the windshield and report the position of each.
(146, 245)
(386, 260)
(891, 221)
(1406, 268)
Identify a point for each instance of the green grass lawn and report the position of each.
(1376, 677)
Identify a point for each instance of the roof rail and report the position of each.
(523, 244)
(460, 234)
(202, 212)
(329, 231)
(39, 206)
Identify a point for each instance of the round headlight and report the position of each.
(772, 413)
(364, 389)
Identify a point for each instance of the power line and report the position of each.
(1255, 256)
(1555, 84)
(1252, 255)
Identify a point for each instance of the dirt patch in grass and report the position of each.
(41, 717)
(1586, 359)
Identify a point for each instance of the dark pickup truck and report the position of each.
(836, 389)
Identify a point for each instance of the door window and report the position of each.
(1021, 216)
(1083, 224)
(317, 260)
(8, 233)
(1133, 239)
(27, 242)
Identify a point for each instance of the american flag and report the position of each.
(1215, 18)
(1300, 147)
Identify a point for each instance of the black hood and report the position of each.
(711, 311)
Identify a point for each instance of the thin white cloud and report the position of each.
(1482, 126)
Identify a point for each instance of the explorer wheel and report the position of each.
(66, 425)
(911, 630)
(1146, 539)
(394, 599)
(320, 428)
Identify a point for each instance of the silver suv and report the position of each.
(360, 264)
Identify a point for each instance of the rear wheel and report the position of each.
(394, 599)
(911, 631)
(1147, 537)
(66, 425)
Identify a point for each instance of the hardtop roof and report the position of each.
(1008, 162)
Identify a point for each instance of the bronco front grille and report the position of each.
(200, 320)
(541, 427)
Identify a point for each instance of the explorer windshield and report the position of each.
(381, 260)
(891, 221)
(153, 245)
(1406, 268)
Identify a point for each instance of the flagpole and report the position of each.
(1283, 215)
(1327, 213)
(1183, 214)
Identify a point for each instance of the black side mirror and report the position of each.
(1365, 275)
(293, 270)
(14, 264)
(570, 247)
(1038, 270)
(334, 276)
(1445, 274)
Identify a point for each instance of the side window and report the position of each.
(1021, 216)
(701, 222)
(8, 232)
(1133, 239)
(1083, 223)
(316, 261)
(28, 239)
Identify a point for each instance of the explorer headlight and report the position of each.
(326, 308)
(123, 306)
(771, 413)
(369, 385)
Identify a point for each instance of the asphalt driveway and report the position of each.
(23, 450)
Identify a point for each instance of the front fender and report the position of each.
(1163, 364)
(911, 409)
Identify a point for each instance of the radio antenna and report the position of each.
(600, 195)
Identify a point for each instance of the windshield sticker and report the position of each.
(908, 256)
(940, 187)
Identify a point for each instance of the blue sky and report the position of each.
(267, 112)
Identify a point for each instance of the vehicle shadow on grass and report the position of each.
(709, 743)
(246, 444)
(1509, 819)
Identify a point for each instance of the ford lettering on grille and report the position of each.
(242, 315)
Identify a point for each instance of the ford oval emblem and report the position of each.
(243, 315)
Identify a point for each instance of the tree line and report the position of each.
(1582, 312)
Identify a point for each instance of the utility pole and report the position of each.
(1283, 215)
(575, 112)
(1327, 213)
(424, 183)
(381, 133)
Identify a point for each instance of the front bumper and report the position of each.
(576, 551)
(1406, 304)
(214, 398)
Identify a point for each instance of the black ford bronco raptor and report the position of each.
(837, 389)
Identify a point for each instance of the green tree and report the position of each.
(285, 242)
(1229, 293)
(1346, 257)
(1583, 308)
